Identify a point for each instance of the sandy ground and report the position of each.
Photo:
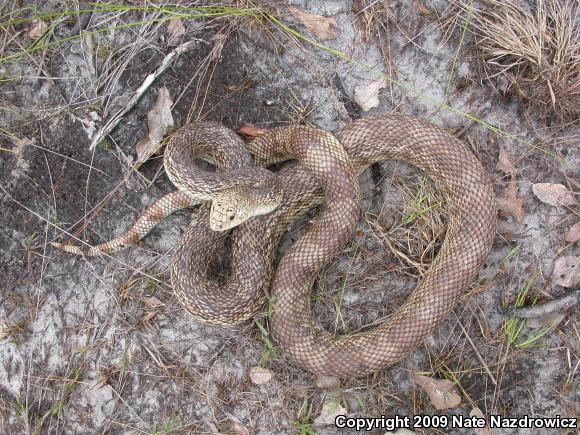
(85, 348)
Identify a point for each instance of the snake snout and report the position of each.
(229, 209)
(234, 206)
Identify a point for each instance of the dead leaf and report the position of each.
(152, 302)
(554, 194)
(260, 375)
(424, 10)
(330, 410)
(323, 27)
(573, 234)
(442, 393)
(175, 29)
(159, 121)
(367, 96)
(146, 319)
(504, 163)
(298, 391)
(476, 412)
(401, 432)
(567, 271)
(326, 382)
(237, 427)
(250, 131)
(510, 203)
(508, 229)
(4, 329)
(37, 30)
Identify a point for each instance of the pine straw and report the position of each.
(538, 51)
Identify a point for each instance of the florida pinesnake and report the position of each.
(326, 170)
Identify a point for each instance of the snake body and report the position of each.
(471, 227)
(326, 171)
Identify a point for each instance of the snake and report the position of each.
(259, 204)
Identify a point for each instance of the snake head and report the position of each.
(234, 206)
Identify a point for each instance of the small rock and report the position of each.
(476, 412)
(326, 382)
(442, 393)
(330, 411)
(260, 375)
(567, 271)
(37, 29)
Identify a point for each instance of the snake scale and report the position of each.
(325, 170)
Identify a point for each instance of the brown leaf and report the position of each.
(508, 229)
(260, 375)
(152, 302)
(424, 10)
(573, 234)
(554, 194)
(326, 382)
(297, 391)
(567, 271)
(250, 131)
(175, 29)
(146, 319)
(504, 163)
(323, 27)
(159, 121)
(330, 410)
(37, 30)
(367, 96)
(442, 393)
(510, 203)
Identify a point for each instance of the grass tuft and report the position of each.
(416, 239)
(514, 327)
(538, 51)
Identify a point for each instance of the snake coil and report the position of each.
(326, 170)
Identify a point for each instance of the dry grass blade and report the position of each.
(538, 51)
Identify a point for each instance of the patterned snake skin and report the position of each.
(326, 170)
